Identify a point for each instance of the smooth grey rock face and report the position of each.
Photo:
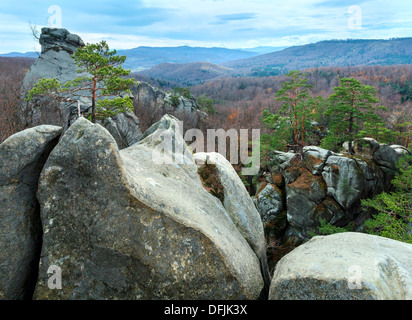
(121, 226)
(345, 266)
(124, 128)
(302, 199)
(237, 201)
(269, 203)
(386, 156)
(344, 180)
(22, 157)
(239, 205)
(148, 96)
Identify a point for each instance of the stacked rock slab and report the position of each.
(123, 226)
(345, 266)
(22, 157)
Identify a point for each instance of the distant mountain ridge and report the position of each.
(187, 73)
(34, 55)
(141, 58)
(338, 53)
(147, 57)
(193, 65)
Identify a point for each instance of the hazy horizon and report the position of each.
(233, 24)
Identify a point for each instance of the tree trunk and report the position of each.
(93, 111)
(295, 104)
(350, 148)
(94, 101)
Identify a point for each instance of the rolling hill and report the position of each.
(340, 53)
(34, 55)
(146, 57)
(187, 73)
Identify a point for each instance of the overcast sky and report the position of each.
(210, 23)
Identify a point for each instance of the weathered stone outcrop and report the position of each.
(269, 202)
(155, 98)
(123, 226)
(22, 157)
(124, 128)
(59, 39)
(325, 186)
(345, 266)
(56, 61)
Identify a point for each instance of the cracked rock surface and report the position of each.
(22, 157)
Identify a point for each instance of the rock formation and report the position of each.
(59, 39)
(22, 157)
(56, 61)
(325, 185)
(121, 226)
(345, 266)
(154, 221)
(152, 98)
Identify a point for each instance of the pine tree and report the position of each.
(393, 218)
(289, 126)
(102, 77)
(351, 104)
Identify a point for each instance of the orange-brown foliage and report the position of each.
(12, 72)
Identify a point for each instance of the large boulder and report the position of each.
(302, 199)
(344, 179)
(386, 156)
(345, 266)
(269, 202)
(124, 128)
(154, 98)
(238, 204)
(124, 225)
(22, 157)
(148, 96)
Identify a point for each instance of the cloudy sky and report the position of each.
(210, 23)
